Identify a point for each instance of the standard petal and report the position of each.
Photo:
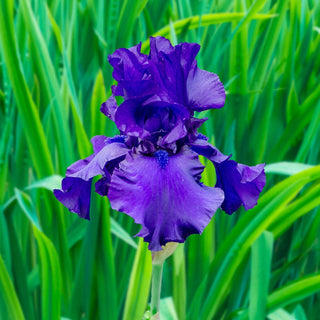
(205, 91)
(128, 64)
(163, 194)
(76, 186)
(141, 120)
(170, 67)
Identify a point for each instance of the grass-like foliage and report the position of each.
(54, 74)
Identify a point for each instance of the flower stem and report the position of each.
(156, 287)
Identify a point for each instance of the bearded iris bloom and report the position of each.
(151, 171)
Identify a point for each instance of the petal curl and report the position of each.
(75, 195)
(128, 64)
(164, 195)
(109, 107)
(76, 186)
(241, 184)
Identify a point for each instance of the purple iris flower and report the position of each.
(151, 171)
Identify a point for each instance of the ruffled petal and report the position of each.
(164, 195)
(75, 195)
(109, 108)
(76, 187)
(205, 91)
(128, 64)
(241, 184)
(172, 66)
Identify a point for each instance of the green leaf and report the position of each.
(286, 168)
(122, 234)
(50, 86)
(9, 304)
(50, 277)
(27, 207)
(280, 314)
(267, 47)
(35, 135)
(139, 285)
(299, 313)
(167, 309)
(293, 292)
(205, 20)
(179, 282)
(261, 256)
(99, 95)
(49, 183)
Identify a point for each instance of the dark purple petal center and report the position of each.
(162, 157)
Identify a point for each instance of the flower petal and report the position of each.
(171, 66)
(163, 194)
(204, 148)
(76, 186)
(128, 64)
(205, 91)
(135, 118)
(109, 107)
(241, 184)
(75, 195)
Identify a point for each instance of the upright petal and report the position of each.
(171, 66)
(135, 118)
(128, 64)
(205, 91)
(76, 186)
(163, 194)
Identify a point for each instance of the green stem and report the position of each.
(156, 287)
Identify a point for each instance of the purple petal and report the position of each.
(159, 44)
(128, 64)
(163, 194)
(241, 184)
(205, 91)
(76, 187)
(193, 124)
(137, 119)
(109, 107)
(96, 165)
(204, 148)
(172, 66)
(75, 195)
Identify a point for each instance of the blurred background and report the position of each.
(54, 75)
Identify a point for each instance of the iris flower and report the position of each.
(151, 170)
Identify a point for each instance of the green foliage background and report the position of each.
(54, 75)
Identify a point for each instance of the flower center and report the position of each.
(162, 157)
